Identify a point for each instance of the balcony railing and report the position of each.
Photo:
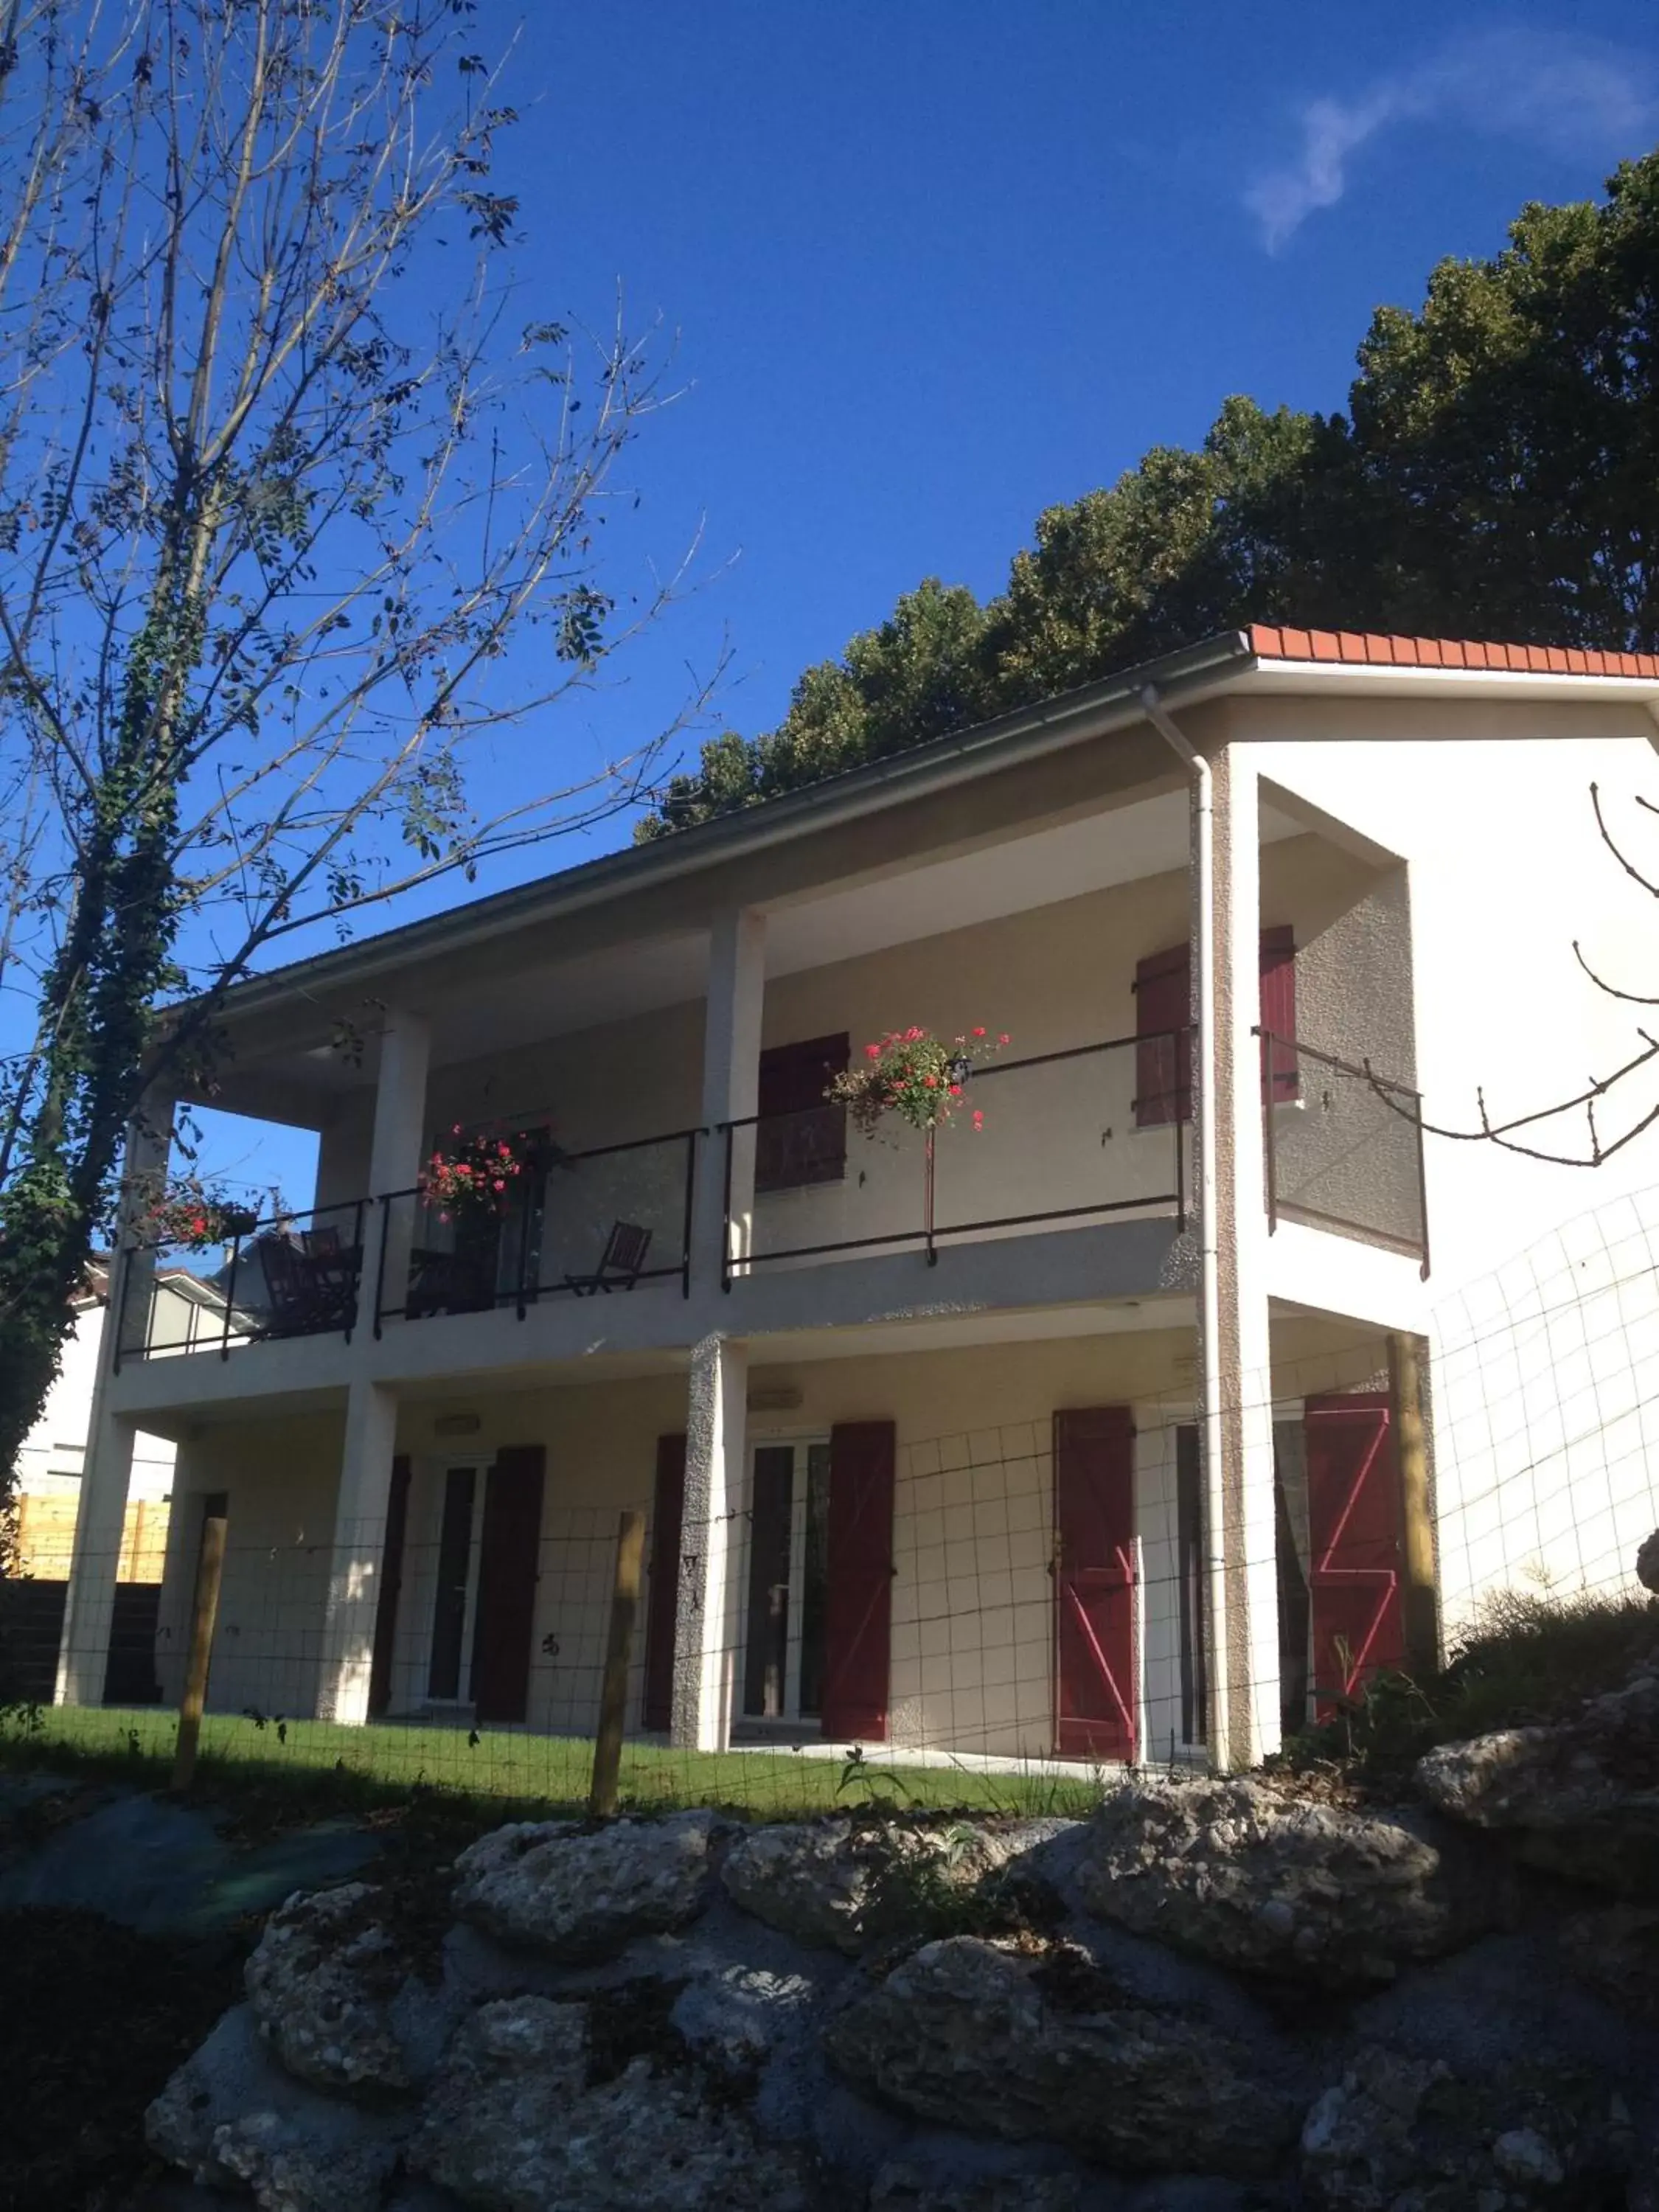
(1343, 1148)
(1066, 1140)
(593, 1224)
(293, 1274)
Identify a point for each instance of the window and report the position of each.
(801, 1138)
(1163, 1056)
(454, 1575)
(787, 1577)
(1190, 1579)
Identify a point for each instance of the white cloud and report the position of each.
(1576, 96)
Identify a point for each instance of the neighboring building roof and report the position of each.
(1371, 649)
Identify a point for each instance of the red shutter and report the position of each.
(1279, 1008)
(1164, 1060)
(1163, 1076)
(801, 1139)
(392, 1582)
(1094, 1595)
(859, 1600)
(1355, 1533)
(662, 1595)
(509, 1551)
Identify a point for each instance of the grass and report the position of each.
(323, 1765)
(1529, 1657)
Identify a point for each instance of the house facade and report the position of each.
(1071, 1433)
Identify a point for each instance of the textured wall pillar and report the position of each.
(706, 1625)
(730, 1070)
(1248, 1542)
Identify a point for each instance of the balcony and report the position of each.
(295, 1274)
(1066, 1139)
(593, 1223)
(1343, 1148)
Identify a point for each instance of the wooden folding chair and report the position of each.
(619, 1263)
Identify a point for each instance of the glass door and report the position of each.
(788, 1580)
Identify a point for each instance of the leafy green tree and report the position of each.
(279, 485)
(1496, 475)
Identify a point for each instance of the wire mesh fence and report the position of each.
(1008, 1615)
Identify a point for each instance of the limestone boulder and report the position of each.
(1038, 2045)
(580, 1897)
(908, 2185)
(1399, 2130)
(516, 2119)
(1231, 1872)
(323, 1983)
(1580, 1797)
(842, 1886)
(1614, 1952)
(231, 2119)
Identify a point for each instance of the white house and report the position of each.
(50, 1464)
(1080, 1443)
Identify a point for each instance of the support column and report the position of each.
(356, 1564)
(731, 1077)
(1420, 1595)
(1247, 1548)
(707, 1615)
(107, 1465)
(396, 1151)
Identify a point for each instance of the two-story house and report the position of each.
(1072, 1434)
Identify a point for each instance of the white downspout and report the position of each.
(1204, 1131)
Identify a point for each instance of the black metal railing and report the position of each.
(1067, 1137)
(589, 1223)
(291, 1274)
(1343, 1148)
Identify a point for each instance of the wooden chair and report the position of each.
(306, 1299)
(620, 1262)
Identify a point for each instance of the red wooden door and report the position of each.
(662, 1595)
(858, 1597)
(1355, 1541)
(392, 1584)
(1096, 1673)
(509, 1548)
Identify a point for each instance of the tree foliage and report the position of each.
(291, 456)
(1495, 476)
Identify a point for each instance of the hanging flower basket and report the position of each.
(480, 1172)
(921, 1078)
(195, 1217)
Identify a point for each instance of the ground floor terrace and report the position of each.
(986, 1548)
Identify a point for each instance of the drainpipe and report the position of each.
(1204, 1131)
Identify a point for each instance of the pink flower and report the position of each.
(955, 1091)
(932, 1082)
(873, 1052)
(1003, 1039)
(979, 1032)
(979, 1120)
(501, 1186)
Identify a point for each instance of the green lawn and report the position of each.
(386, 1763)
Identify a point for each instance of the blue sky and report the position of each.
(935, 264)
(931, 265)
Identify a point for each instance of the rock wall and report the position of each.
(1212, 1997)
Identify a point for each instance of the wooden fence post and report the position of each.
(613, 1699)
(1420, 1599)
(210, 1568)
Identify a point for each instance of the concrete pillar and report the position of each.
(1248, 1545)
(731, 1076)
(707, 1620)
(107, 1467)
(357, 1563)
(396, 1151)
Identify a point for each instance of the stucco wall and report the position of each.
(972, 1636)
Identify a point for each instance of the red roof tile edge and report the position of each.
(1348, 648)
